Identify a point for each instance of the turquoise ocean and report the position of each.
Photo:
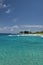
(21, 50)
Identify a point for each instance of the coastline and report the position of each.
(31, 35)
(40, 35)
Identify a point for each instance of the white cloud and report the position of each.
(4, 28)
(9, 29)
(8, 7)
(0, 29)
(2, 4)
(8, 11)
(14, 27)
(5, 6)
(34, 26)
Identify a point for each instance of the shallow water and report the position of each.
(21, 50)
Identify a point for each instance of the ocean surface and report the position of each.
(21, 50)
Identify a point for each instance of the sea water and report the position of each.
(21, 50)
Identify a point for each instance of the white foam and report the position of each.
(28, 35)
(13, 35)
(9, 35)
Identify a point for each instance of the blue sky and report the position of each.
(17, 15)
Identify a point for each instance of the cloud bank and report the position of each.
(17, 28)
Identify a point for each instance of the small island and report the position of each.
(29, 32)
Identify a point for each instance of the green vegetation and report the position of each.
(29, 32)
(25, 32)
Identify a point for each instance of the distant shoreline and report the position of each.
(31, 34)
(10, 34)
(39, 35)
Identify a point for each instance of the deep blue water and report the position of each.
(21, 50)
